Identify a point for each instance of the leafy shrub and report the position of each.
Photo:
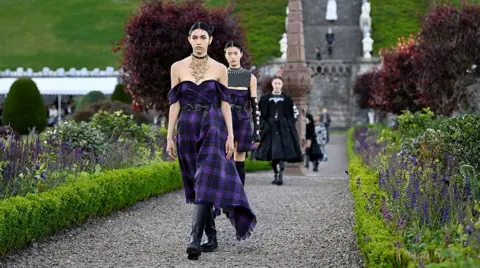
(119, 94)
(24, 107)
(81, 135)
(118, 126)
(88, 111)
(91, 97)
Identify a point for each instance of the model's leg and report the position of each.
(275, 170)
(211, 243)
(239, 158)
(315, 165)
(198, 225)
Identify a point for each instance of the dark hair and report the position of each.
(277, 77)
(310, 117)
(234, 44)
(203, 26)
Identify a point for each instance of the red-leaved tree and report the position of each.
(449, 43)
(156, 36)
(396, 88)
(363, 88)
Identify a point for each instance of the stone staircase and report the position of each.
(348, 36)
(332, 89)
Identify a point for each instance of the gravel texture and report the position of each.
(307, 222)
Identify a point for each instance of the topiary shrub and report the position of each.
(119, 94)
(91, 97)
(24, 108)
(88, 111)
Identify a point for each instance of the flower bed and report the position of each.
(416, 191)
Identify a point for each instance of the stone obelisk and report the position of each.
(296, 75)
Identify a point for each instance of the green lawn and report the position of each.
(54, 33)
(395, 18)
(80, 33)
(392, 19)
(265, 24)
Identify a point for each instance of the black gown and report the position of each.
(279, 137)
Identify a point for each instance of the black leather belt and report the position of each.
(197, 107)
(238, 107)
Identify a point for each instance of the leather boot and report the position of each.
(211, 243)
(275, 170)
(276, 179)
(198, 225)
(280, 174)
(241, 171)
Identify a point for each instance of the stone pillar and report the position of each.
(296, 75)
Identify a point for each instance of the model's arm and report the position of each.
(174, 107)
(225, 106)
(255, 110)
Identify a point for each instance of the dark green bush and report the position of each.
(24, 107)
(119, 94)
(91, 97)
(26, 219)
(88, 111)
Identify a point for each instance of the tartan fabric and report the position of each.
(242, 127)
(208, 177)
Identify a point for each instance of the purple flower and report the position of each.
(413, 160)
(385, 211)
(43, 175)
(469, 229)
(37, 166)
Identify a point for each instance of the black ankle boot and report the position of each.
(198, 225)
(211, 243)
(276, 179)
(280, 178)
(280, 174)
(241, 171)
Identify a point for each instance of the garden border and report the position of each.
(375, 241)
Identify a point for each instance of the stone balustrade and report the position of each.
(61, 72)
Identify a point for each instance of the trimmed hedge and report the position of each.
(375, 240)
(26, 219)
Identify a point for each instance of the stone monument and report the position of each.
(296, 75)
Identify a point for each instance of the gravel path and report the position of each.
(307, 222)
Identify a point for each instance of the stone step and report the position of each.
(314, 12)
(347, 45)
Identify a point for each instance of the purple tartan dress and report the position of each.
(208, 177)
(242, 127)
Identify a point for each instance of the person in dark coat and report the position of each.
(199, 100)
(279, 141)
(312, 148)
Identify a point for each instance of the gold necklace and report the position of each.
(199, 66)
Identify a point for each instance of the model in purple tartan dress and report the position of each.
(242, 126)
(208, 177)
